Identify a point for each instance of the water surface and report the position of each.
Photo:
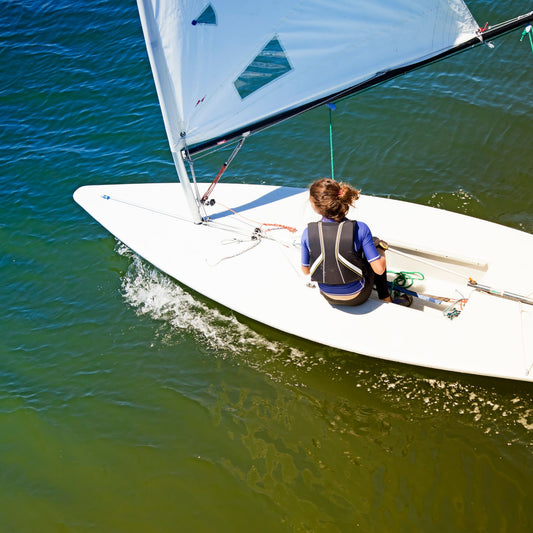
(129, 403)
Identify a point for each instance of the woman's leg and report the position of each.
(380, 281)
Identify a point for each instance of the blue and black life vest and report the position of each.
(333, 258)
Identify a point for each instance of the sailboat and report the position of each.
(226, 69)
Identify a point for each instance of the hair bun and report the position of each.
(332, 199)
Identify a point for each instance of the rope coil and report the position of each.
(405, 280)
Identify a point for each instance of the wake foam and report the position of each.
(460, 201)
(491, 408)
(153, 293)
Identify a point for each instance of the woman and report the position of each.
(340, 254)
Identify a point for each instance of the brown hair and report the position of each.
(333, 199)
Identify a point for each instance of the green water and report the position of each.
(130, 404)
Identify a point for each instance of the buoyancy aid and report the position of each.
(333, 258)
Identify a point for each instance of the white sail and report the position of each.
(222, 65)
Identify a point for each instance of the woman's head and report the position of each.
(332, 199)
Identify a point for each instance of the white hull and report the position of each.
(492, 336)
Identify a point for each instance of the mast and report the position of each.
(168, 104)
(192, 200)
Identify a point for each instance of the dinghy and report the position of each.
(225, 70)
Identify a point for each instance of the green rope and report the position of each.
(404, 279)
(528, 32)
(331, 108)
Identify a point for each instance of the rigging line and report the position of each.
(118, 200)
(228, 227)
(256, 232)
(256, 237)
(331, 107)
(222, 145)
(256, 223)
(251, 247)
(469, 281)
(226, 164)
(426, 262)
(189, 160)
(508, 25)
(497, 292)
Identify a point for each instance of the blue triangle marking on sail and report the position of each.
(208, 16)
(269, 64)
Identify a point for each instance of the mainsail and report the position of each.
(225, 67)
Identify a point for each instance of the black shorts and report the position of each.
(371, 278)
(361, 297)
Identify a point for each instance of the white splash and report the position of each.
(155, 294)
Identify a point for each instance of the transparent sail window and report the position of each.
(208, 16)
(271, 63)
